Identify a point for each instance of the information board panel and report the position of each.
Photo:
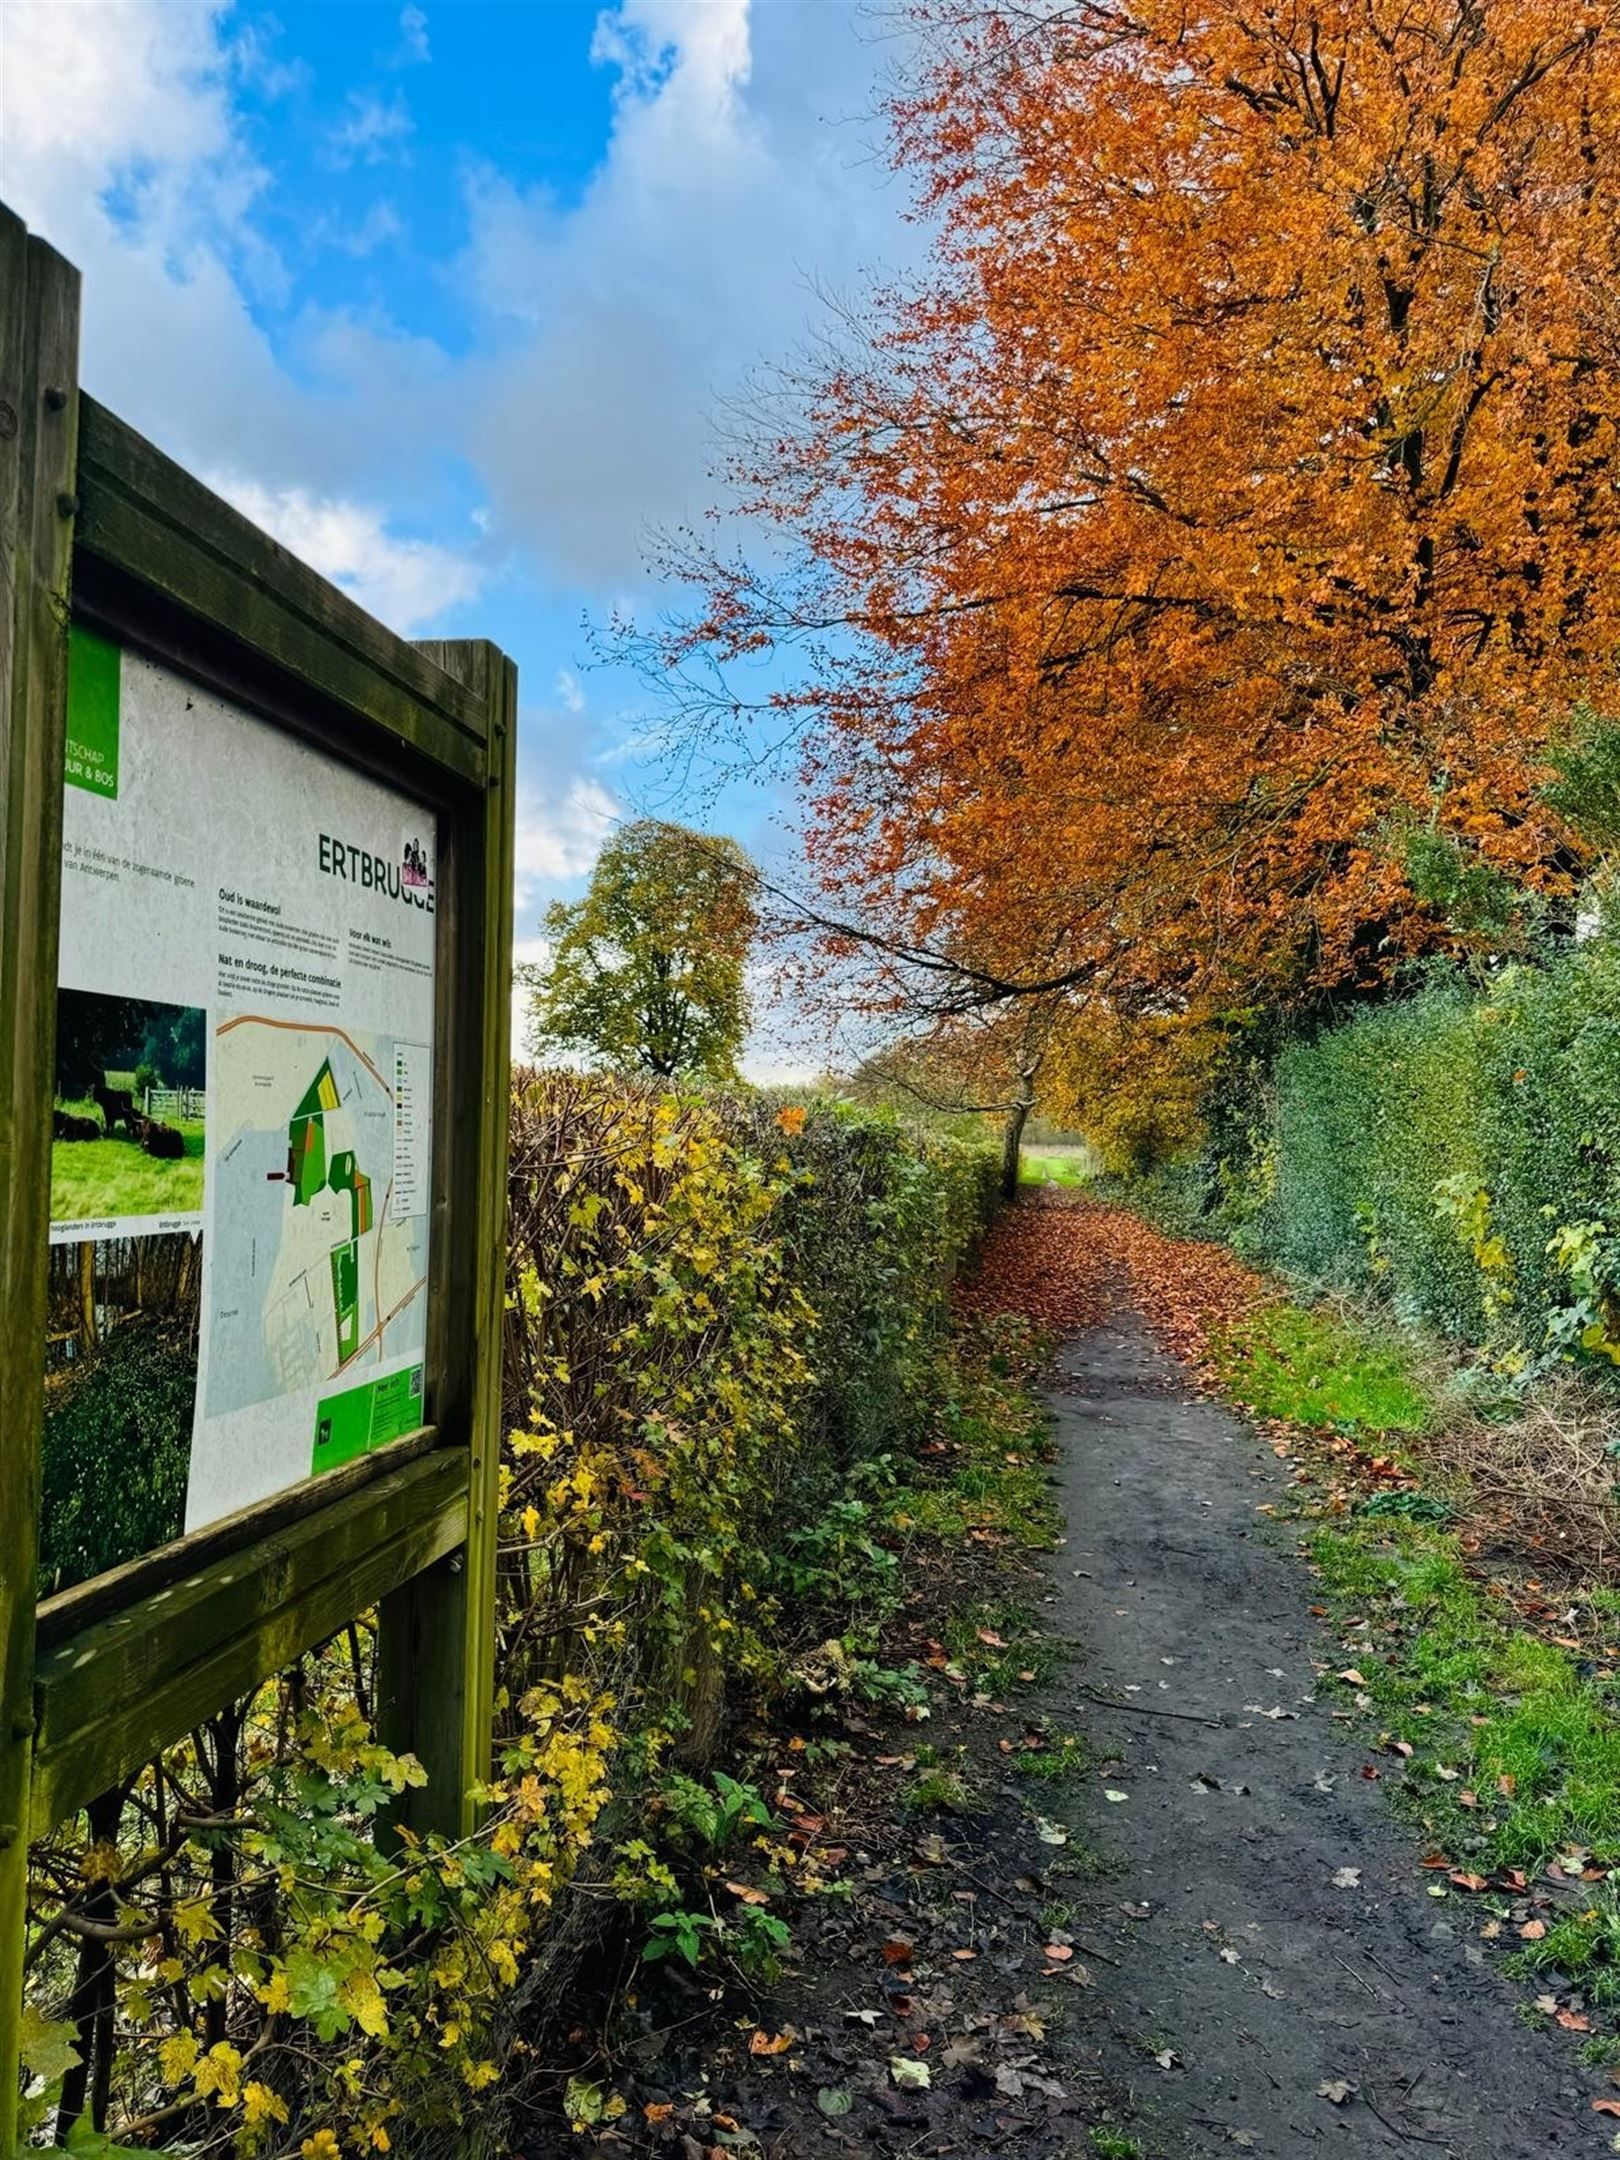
(243, 1121)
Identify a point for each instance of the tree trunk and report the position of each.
(1013, 1137)
(86, 2086)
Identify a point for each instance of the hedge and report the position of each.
(726, 1329)
(1459, 1154)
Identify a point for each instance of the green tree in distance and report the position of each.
(646, 971)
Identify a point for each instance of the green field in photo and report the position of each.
(115, 1177)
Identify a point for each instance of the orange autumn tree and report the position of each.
(1237, 483)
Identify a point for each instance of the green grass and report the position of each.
(1055, 1166)
(1447, 1671)
(1313, 1369)
(998, 1438)
(1111, 2144)
(1514, 1749)
(1067, 1758)
(114, 1177)
(1584, 1947)
(940, 1792)
(997, 1666)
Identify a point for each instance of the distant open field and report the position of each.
(1056, 1166)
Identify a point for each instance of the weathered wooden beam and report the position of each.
(112, 1697)
(39, 342)
(437, 1648)
(70, 1612)
(150, 519)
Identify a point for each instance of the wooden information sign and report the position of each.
(255, 964)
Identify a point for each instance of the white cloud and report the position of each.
(91, 94)
(560, 830)
(623, 320)
(413, 24)
(605, 328)
(358, 238)
(118, 145)
(407, 583)
(698, 50)
(373, 128)
(527, 952)
(768, 1066)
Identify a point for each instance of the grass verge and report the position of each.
(985, 1477)
(1499, 1738)
(1315, 1368)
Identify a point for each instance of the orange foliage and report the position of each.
(1239, 479)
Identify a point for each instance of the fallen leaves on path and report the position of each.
(1039, 1261)
(1065, 1264)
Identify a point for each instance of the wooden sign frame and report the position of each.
(97, 527)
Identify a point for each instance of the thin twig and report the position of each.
(1183, 1717)
(1355, 1976)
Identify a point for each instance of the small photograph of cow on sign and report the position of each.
(127, 1135)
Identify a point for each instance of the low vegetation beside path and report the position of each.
(1466, 1550)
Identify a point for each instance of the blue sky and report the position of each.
(449, 294)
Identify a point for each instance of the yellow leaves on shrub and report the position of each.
(218, 2074)
(362, 1997)
(261, 2106)
(177, 2057)
(656, 1366)
(194, 1921)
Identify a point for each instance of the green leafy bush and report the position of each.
(115, 1452)
(1459, 1154)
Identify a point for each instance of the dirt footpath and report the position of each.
(1272, 1924)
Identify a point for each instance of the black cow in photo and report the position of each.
(65, 1126)
(117, 1107)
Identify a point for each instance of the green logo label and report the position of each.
(366, 1417)
(92, 714)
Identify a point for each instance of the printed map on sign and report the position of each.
(320, 1260)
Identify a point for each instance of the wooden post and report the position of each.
(39, 342)
(437, 1651)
